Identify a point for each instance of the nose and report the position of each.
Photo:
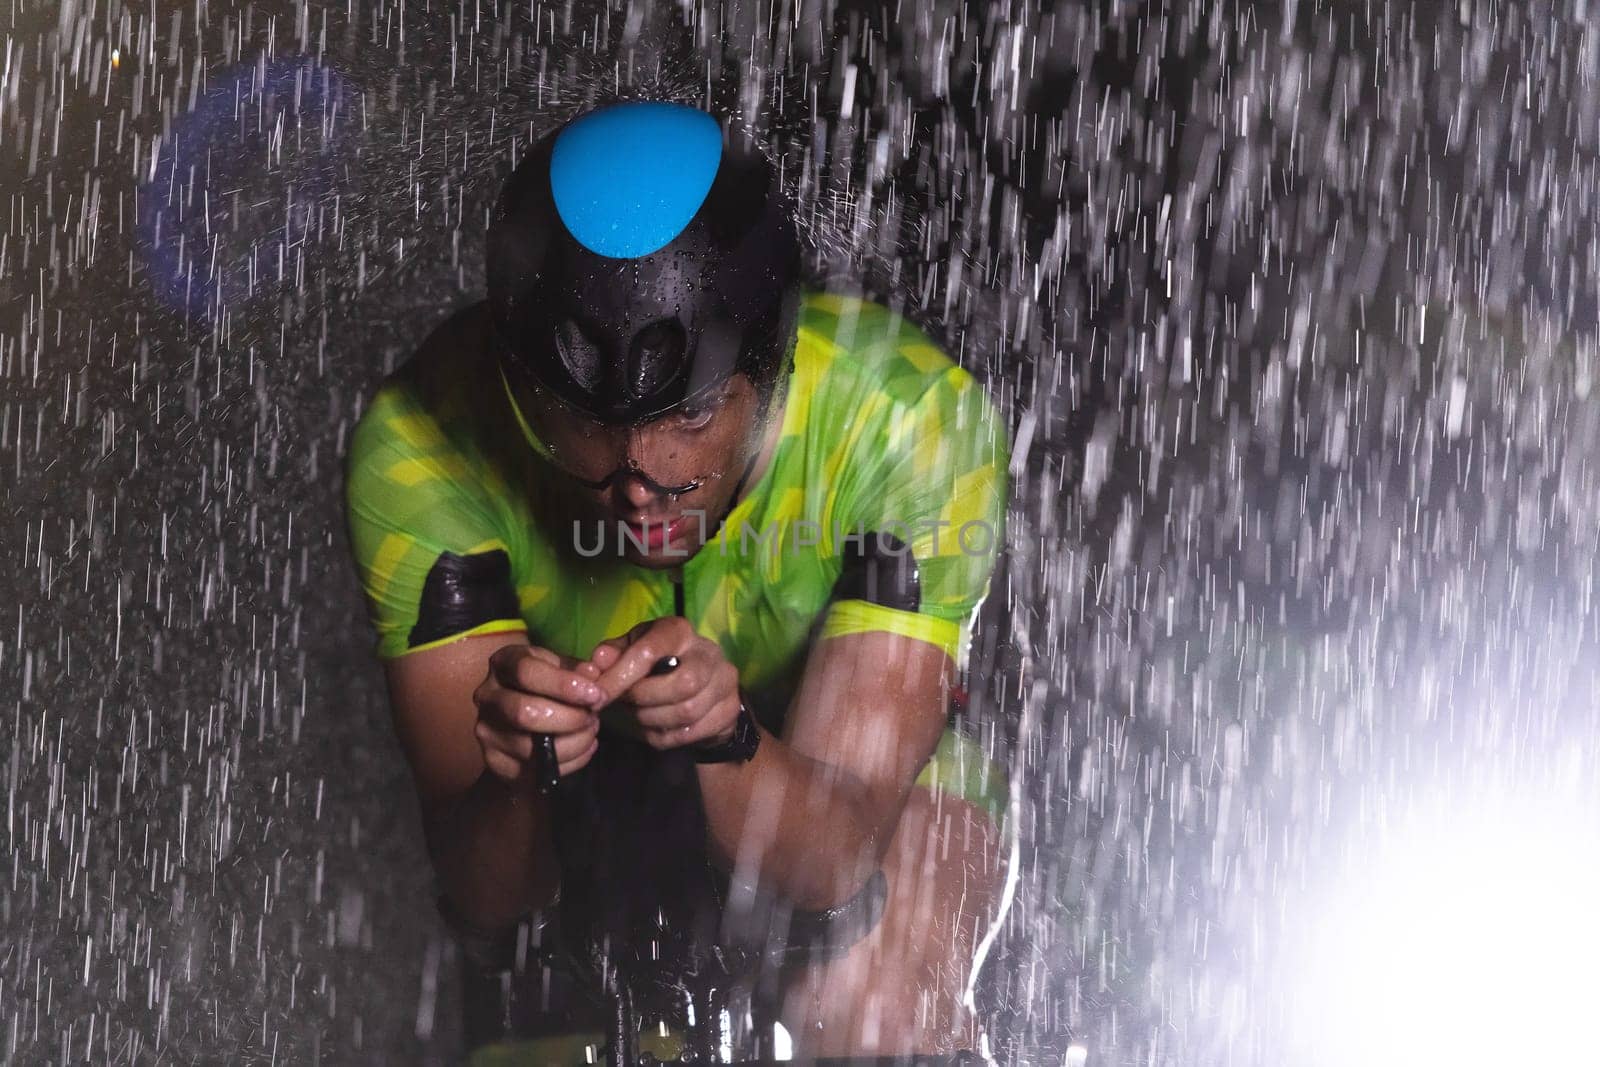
(637, 491)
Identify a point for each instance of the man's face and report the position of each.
(670, 480)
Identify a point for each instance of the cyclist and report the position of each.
(653, 447)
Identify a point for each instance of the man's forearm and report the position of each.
(493, 850)
(802, 828)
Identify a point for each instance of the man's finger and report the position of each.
(538, 715)
(556, 757)
(506, 655)
(544, 655)
(636, 661)
(605, 654)
(532, 673)
(502, 765)
(701, 730)
(671, 687)
(527, 714)
(675, 716)
(523, 746)
(570, 746)
(715, 723)
(518, 746)
(582, 759)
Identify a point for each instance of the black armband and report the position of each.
(463, 592)
(880, 569)
(759, 920)
(834, 930)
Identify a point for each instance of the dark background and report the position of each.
(1223, 265)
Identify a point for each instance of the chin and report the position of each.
(655, 562)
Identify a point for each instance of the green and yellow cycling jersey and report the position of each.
(882, 434)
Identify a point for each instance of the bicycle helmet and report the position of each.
(638, 258)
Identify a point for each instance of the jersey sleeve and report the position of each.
(432, 564)
(931, 478)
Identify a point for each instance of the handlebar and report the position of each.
(546, 768)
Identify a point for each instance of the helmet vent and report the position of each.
(581, 357)
(654, 357)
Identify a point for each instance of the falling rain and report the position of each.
(1291, 309)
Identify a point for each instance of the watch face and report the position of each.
(745, 735)
(741, 746)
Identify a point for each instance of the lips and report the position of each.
(654, 533)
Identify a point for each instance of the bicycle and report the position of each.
(703, 992)
(676, 953)
(646, 935)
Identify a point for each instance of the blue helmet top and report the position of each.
(627, 179)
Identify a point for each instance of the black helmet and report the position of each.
(638, 258)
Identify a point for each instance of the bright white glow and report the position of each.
(782, 1043)
(1077, 1056)
(1466, 933)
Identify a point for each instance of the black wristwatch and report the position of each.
(740, 748)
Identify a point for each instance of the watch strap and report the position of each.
(740, 748)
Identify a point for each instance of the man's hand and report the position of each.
(532, 691)
(696, 704)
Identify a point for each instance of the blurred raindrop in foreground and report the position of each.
(235, 194)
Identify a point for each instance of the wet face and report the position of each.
(668, 480)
